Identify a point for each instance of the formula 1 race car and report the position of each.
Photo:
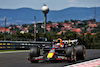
(58, 50)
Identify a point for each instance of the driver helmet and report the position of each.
(59, 40)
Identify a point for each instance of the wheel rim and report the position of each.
(84, 52)
(74, 55)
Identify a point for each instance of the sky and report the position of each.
(52, 4)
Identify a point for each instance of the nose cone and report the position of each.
(45, 9)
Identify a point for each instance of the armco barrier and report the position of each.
(5, 45)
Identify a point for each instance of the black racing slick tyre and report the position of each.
(71, 53)
(80, 52)
(34, 51)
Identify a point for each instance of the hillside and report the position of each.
(26, 15)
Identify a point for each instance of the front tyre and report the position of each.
(34, 52)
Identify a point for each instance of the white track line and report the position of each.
(13, 52)
(83, 63)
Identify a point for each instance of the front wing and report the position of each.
(47, 59)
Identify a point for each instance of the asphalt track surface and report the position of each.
(19, 59)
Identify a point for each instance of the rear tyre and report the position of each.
(80, 52)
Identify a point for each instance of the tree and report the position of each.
(31, 30)
(66, 21)
(50, 36)
(49, 22)
(60, 25)
(89, 40)
(72, 20)
(1, 36)
(93, 20)
(96, 29)
(24, 25)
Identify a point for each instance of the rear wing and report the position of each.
(75, 41)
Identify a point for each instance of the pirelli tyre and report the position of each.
(71, 53)
(80, 52)
(34, 51)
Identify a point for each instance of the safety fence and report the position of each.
(6, 45)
